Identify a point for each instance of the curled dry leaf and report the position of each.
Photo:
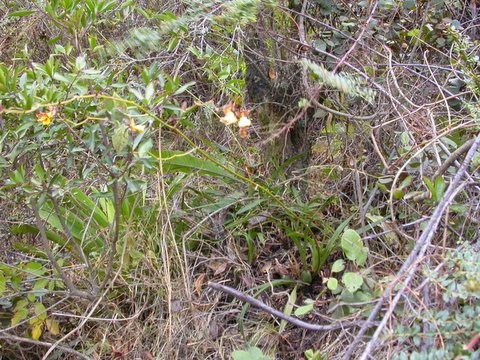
(220, 269)
(199, 282)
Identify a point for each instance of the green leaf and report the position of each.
(75, 224)
(292, 299)
(21, 13)
(406, 182)
(40, 311)
(40, 286)
(302, 310)
(61, 78)
(33, 250)
(251, 205)
(440, 186)
(20, 304)
(54, 40)
(19, 315)
(353, 248)
(253, 353)
(313, 355)
(332, 284)
(3, 284)
(187, 163)
(303, 103)
(149, 91)
(35, 269)
(183, 88)
(352, 281)
(413, 33)
(430, 185)
(398, 194)
(120, 138)
(338, 266)
(332, 242)
(89, 206)
(80, 63)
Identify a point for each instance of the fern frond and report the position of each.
(345, 83)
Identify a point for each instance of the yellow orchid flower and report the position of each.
(46, 117)
(229, 118)
(136, 128)
(244, 121)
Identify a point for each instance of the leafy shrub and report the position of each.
(449, 324)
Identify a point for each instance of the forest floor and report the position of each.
(239, 179)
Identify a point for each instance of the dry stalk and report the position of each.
(302, 324)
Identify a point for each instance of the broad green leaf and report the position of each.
(19, 315)
(413, 33)
(40, 311)
(313, 355)
(406, 182)
(352, 281)
(80, 63)
(333, 241)
(34, 268)
(353, 248)
(20, 304)
(332, 284)
(40, 287)
(74, 223)
(106, 203)
(253, 353)
(398, 194)
(120, 138)
(30, 249)
(338, 266)
(149, 91)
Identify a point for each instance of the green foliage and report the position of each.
(436, 188)
(288, 309)
(252, 353)
(456, 321)
(313, 355)
(27, 311)
(352, 281)
(353, 247)
(354, 286)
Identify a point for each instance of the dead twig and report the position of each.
(302, 324)
(358, 39)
